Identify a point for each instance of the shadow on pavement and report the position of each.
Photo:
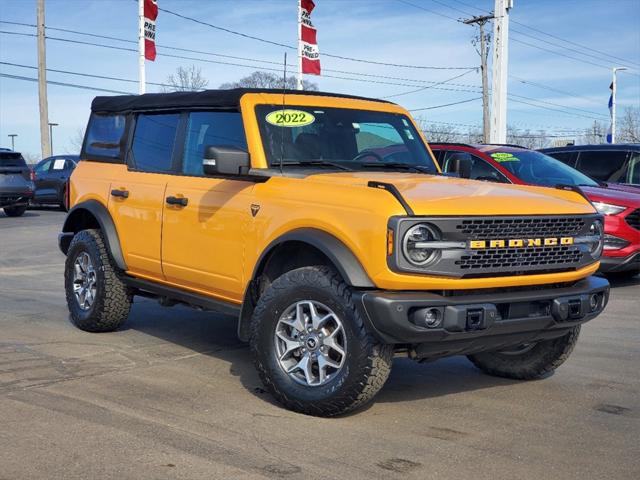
(215, 335)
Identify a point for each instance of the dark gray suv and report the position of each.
(16, 187)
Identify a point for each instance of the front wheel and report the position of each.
(15, 211)
(311, 346)
(528, 361)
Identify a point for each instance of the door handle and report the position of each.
(180, 201)
(120, 193)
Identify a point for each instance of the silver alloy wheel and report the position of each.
(84, 281)
(311, 344)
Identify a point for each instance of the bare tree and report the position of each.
(187, 79)
(629, 126)
(440, 133)
(595, 134)
(260, 79)
(75, 142)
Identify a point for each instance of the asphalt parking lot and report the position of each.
(174, 395)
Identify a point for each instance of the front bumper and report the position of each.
(620, 264)
(471, 322)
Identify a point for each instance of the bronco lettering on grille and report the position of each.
(520, 242)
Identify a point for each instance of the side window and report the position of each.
(210, 129)
(43, 167)
(104, 135)
(602, 164)
(482, 170)
(565, 157)
(153, 142)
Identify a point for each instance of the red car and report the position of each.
(512, 164)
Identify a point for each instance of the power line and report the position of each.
(63, 84)
(552, 89)
(445, 105)
(429, 86)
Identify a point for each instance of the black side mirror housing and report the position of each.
(461, 166)
(225, 160)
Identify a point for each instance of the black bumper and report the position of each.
(620, 264)
(464, 323)
(15, 199)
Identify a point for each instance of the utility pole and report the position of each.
(498, 132)
(614, 88)
(51, 125)
(13, 140)
(45, 143)
(141, 72)
(484, 53)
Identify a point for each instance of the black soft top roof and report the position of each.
(223, 99)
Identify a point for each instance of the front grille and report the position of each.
(633, 219)
(489, 228)
(522, 258)
(536, 256)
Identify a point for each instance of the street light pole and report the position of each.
(13, 143)
(51, 125)
(614, 87)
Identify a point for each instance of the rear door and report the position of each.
(137, 198)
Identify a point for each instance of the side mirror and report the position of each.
(223, 160)
(460, 165)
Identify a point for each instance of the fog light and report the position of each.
(432, 318)
(612, 242)
(594, 301)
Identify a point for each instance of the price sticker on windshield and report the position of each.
(504, 157)
(290, 118)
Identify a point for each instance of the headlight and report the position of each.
(413, 244)
(596, 232)
(608, 209)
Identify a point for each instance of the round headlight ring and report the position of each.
(596, 230)
(421, 232)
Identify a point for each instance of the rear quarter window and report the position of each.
(604, 165)
(104, 136)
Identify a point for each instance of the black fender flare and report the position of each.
(97, 210)
(342, 258)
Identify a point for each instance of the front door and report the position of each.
(206, 220)
(138, 196)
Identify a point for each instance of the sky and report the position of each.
(574, 91)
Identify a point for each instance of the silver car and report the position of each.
(16, 186)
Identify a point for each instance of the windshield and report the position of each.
(11, 159)
(343, 137)
(535, 167)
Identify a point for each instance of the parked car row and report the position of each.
(46, 183)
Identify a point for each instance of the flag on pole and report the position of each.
(150, 15)
(609, 135)
(310, 55)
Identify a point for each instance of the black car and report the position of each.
(16, 188)
(51, 176)
(619, 163)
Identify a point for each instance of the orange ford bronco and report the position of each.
(323, 223)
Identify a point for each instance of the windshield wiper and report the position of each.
(397, 165)
(318, 163)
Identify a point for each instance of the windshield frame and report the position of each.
(255, 143)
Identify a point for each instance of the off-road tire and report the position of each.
(17, 211)
(113, 298)
(542, 359)
(367, 363)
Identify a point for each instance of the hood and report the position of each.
(616, 196)
(441, 195)
(623, 187)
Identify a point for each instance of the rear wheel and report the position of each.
(17, 211)
(527, 361)
(97, 298)
(311, 346)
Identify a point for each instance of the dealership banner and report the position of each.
(150, 15)
(309, 53)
